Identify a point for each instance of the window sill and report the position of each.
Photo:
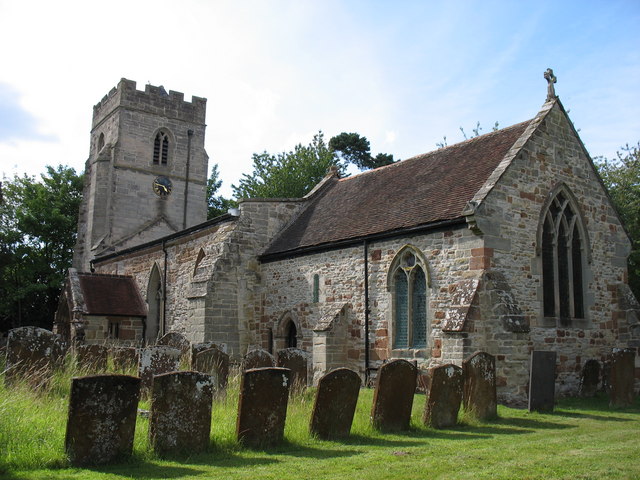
(567, 323)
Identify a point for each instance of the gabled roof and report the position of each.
(115, 295)
(425, 190)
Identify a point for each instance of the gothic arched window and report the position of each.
(563, 250)
(408, 286)
(161, 148)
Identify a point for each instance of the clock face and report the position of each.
(162, 186)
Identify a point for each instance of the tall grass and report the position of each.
(582, 439)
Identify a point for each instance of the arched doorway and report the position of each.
(155, 302)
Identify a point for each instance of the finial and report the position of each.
(551, 79)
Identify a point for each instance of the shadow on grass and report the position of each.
(591, 416)
(296, 450)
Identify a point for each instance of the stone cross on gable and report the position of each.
(551, 79)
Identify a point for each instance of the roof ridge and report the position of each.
(422, 156)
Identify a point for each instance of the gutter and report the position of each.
(307, 250)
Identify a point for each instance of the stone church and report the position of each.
(506, 243)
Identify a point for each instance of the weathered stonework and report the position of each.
(217, 281)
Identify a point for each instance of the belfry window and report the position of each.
(409, 290)
(563, 254)
(161, 148)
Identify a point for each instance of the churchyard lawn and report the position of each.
(582, 439)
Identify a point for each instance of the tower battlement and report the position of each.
(153, 99)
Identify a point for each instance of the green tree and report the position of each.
(353, 148)
(288, 174)
(622, 178)
(38, 221)
(216, 204)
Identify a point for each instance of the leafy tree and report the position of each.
(216, 204)
(356, 150)
(622, 178)
(38, 221)
(288, 174)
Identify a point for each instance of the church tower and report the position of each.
(146, 175)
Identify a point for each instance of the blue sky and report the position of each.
(402, 73)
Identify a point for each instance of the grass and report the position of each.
(582, 439)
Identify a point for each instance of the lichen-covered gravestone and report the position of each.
(176, 340)
(202, 346)
(445, 396)
(295, 360)
(542, 381)
(335, 404)
(180, 417)
(124, 358)
(393, 396)
(590, 378)
(621, 377)
(262, 407)
(102, 418)
(156, 361)
(31, 354)
(258, 358)
(92, 357)
(213, 362)
(479, 393)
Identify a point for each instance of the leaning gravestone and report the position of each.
(156, 361)
(295, 360)
(176, 340)
(258, 358)
(445, 396)
(180, 417)
(621, 377)
(31, 354)
(202, 346)
(124, 358)
(262, 407)
(92, 357)
(102, 418)
(479, 393)
(213, 362)
(542, 381)
(393, 396)
(590, 378)
(335, 404)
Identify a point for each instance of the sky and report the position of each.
(402, 73)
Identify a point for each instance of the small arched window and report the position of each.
(161, 148)
(408, 286)
(100, 142)
(291, 340)
(563, 250)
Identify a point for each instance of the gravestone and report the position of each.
(621, 378)
(92, 357)
(213, 362)
(156, 361)
(393, 396)
(180, 416)
(590, 378)
(542, 381)
(176, 340)
(479, 392)
(335, 404)
(124, 358)
(445, 396)
(295, 360)
(102, 418)
(262, 407)
(202, 346)
(31, 354)
(258, 358)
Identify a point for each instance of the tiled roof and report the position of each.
(111, 295)
(422, 190)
